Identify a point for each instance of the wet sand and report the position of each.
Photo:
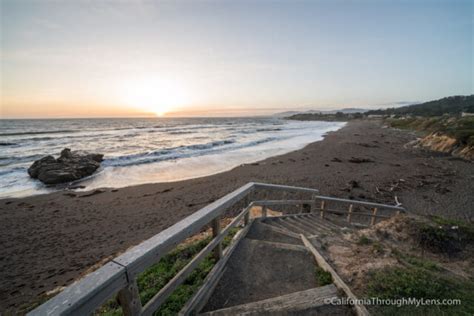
(49, 240)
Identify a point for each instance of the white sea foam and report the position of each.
(141, 151)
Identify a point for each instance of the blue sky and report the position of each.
(99, 58)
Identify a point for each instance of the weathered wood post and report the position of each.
(349, 215)
(129, 299)
(247, 215)
(313, 203)
(321, 214)
(216, 229)
(264, 211)
(374, 218)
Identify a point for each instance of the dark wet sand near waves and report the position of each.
(49, 240)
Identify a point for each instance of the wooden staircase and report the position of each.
(306, 303)
(310, 225)
(268, 268)
(273, 272)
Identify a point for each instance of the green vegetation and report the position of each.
(420, 283)
(157, 276)
(445, 236)
(416, 262)
(337, 117)
(378, 248)
(451, 105)
(323, 277)
(466, 229)
(423, 278)
(364, 240)
(459, 128)
(423, 263)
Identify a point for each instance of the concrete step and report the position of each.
(259, 270)
(308, 302)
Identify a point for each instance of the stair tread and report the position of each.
(297, 302)
(281, 245)
(325, 222)
(315, 229)
(262, 231)
(293, 227)
(308, 229)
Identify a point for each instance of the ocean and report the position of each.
(147, 150)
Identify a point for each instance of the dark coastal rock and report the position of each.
(70, 166)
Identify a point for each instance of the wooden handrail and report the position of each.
(84, 296)
(119, 275)
(159, 298)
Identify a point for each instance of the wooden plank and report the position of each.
(294, 202)
(83, 296)
(249, 205)
(281, 202)
(264, 211)
(349, 215)
(302, 302)
(356, 213)
(360, 309)
(374, 217)
(129, 299)
(199, 299)
(321, 213)
(150, 251)
(159, 298)
(216, 229)
(327, 198)
(279, 230)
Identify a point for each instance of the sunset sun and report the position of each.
(154, 95)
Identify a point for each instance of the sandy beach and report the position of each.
(48, 241)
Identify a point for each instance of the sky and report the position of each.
(216, 58)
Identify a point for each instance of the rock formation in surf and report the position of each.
(70, 166)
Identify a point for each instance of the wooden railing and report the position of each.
(320, 204)
(119, 275)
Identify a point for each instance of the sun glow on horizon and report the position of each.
(153, 94)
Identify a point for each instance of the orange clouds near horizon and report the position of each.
(19, 110)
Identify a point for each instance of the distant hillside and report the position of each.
(345, 111)
(450, 105)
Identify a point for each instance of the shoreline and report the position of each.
(51, 239)
(191, 158)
